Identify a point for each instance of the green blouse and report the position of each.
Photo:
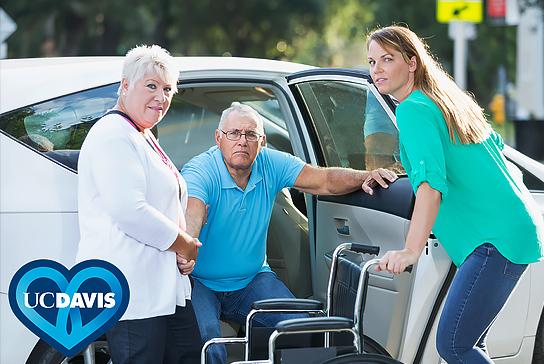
(482, 202)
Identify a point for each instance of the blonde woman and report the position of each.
(485, 218)
(132, 202)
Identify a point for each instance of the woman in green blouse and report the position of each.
(482, 214)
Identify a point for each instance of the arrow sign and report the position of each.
(468, 11)
(7, 27)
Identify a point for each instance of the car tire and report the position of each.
(538, 352)
(45, 354)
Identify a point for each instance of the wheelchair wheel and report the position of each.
(371, 346)
(362, 359)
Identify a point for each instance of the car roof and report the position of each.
(25, 82)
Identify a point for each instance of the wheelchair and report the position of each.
(339, 323)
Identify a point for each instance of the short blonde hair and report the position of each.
(143, 59)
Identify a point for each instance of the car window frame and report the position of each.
(358, 77)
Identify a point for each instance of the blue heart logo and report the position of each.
(68, 309)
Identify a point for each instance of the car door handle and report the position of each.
(342, 226)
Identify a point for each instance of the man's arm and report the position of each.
(339, 181)
(195, 218)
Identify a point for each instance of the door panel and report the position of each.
(342, 113)
(389, 296)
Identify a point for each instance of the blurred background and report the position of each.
(327, 33)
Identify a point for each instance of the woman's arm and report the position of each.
(425, 211)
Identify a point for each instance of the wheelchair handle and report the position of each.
(365, 248)
(376, 261)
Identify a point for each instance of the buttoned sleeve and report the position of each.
(496, 137)
(421, 137)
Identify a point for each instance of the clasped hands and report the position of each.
(186, 260)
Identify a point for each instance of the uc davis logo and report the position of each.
(68, 309)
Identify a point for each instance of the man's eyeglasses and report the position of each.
(235, 135)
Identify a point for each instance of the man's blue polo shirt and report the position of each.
(234, 239)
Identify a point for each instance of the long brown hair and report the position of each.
(463, 115)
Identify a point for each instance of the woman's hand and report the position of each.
(186, 246)
(396, 261)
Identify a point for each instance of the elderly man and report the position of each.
(239, 180)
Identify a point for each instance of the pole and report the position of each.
(460, 55)
(461, 32)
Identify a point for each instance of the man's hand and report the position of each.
(184, 266)
(378, 177)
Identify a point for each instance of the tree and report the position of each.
(257, 28)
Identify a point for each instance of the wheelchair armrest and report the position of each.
(288, 304)
(318, 324)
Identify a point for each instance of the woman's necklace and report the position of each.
(152, 141)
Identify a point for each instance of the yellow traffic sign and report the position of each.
(469, 11)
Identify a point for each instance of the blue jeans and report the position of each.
(478, 293)
(211, 305)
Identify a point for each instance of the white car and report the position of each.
(323, 116)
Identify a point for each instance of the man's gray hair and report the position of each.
(143, 59)
(243, 110)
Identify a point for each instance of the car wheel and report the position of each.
(45, 354)
(538, 353)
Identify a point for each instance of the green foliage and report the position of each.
(317, 32)
(341, 40)
(206, 27)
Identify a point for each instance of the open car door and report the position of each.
(351, 125)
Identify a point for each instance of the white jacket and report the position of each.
(129, 214)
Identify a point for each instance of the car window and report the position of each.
(351, 126)
(58, 127)
(188, 128)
